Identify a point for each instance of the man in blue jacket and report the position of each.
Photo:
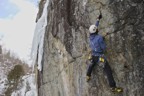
(98, 47)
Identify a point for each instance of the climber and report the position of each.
(98, 48)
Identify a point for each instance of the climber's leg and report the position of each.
(110, 78)
(91, 66)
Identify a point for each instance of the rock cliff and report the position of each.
(65, 48)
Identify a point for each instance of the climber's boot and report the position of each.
(88, 78)
(116, 90)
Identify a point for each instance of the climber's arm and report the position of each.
(98, 19)
(97, 23)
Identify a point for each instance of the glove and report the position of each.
(100, 16)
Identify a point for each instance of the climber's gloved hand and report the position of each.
(100, 16)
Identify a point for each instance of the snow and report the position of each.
(28, 87)
(3, 85)
(4, 65)
(37, 47)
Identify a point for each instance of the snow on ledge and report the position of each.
(38, 39)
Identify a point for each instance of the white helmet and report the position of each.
(92, 28)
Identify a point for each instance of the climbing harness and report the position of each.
(101, 61)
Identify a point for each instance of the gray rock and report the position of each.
(66, 47)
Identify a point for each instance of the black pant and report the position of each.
(106, 68)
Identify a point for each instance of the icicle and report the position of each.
(38, 40)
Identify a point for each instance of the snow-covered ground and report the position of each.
(27, 84)
(4, 68)
(2, 85)
(28, 87)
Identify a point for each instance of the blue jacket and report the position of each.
(97, 43)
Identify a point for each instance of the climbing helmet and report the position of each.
(92, 28)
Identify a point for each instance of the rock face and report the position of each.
(66, 47)
(0, 49)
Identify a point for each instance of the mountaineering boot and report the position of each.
(116, 90)
(88, 78)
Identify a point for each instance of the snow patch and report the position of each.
(38, 40)
(28, 87)
(3, 86)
